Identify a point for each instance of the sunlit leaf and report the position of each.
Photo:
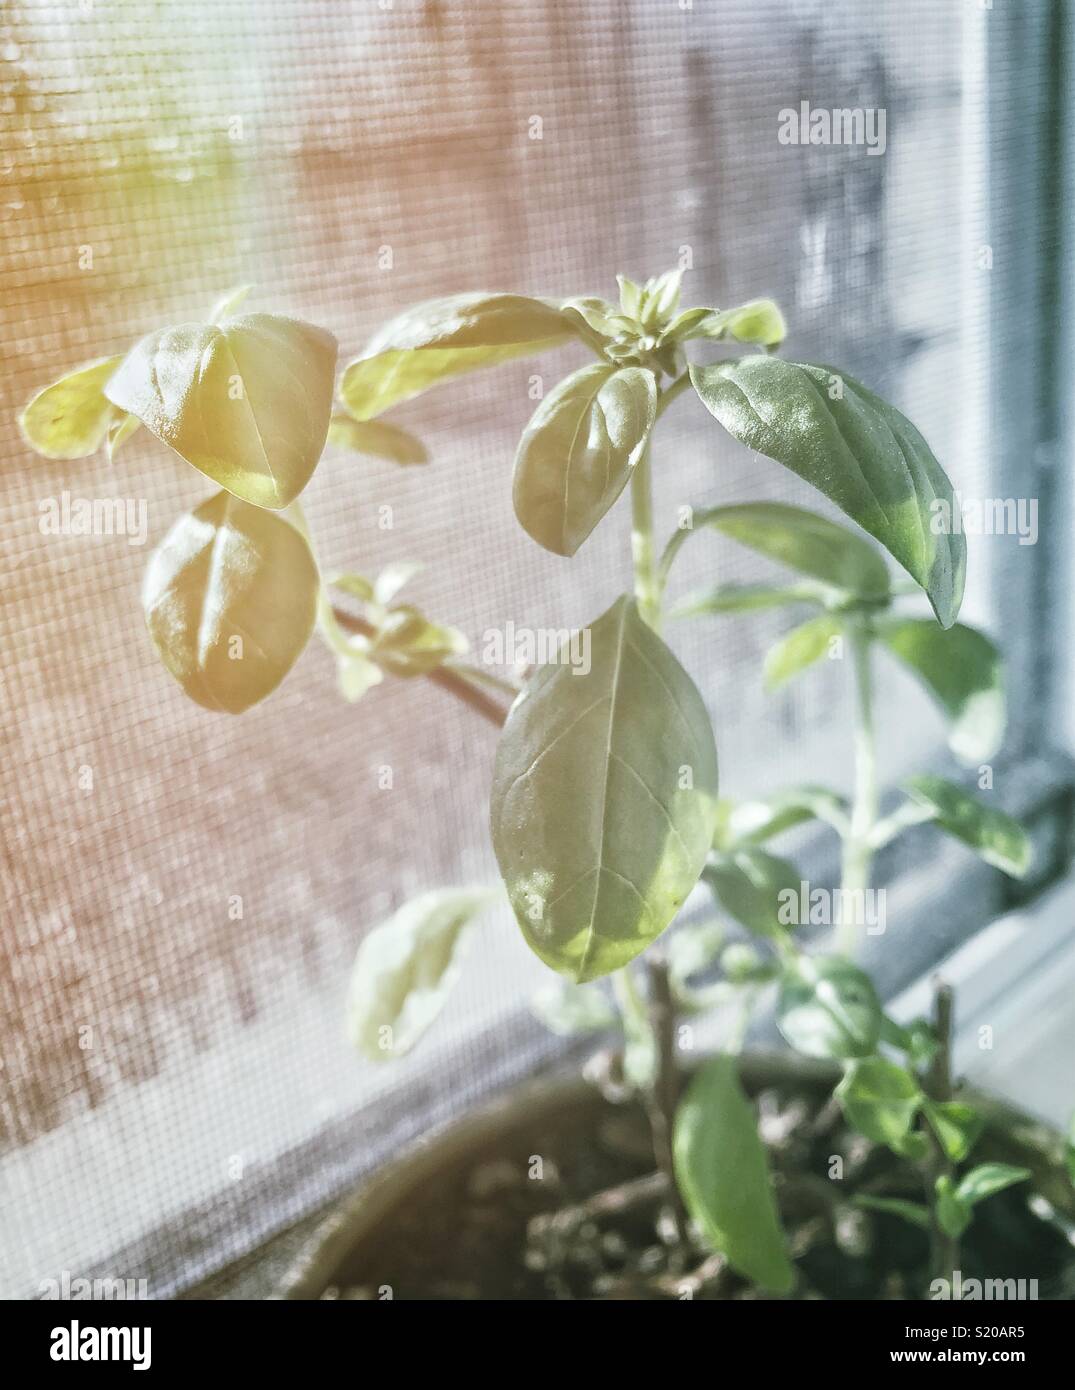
(377, 439)
(577, 452)
(70, 418)
(723, 1174)
(994, 836)
(758, 321)
(405, 969)
(230, 597)
(603, 798)
(961, 669)
(442, 338)
(247, 402)
(856, 449)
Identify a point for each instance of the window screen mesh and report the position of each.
(165, 1066)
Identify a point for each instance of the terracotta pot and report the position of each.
(334, 1253)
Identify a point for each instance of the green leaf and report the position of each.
(597, 315)
(993, 835)
(800, 649)
(799, 539)
(603, 798)
(377, 439)
(914, 1147)
(120, 430)
(406, 967)
(987, 1179)
(569, 1010)
(408, 644)
(723, 1174)
(918, 1040)
(880, 1099)
(577, 452)
(630, 296)
(357, 585)
(227, 304)
(392, 579)
(247, 402)
(860, 452)
(953, 1214)
(758, 321)
(745, 598)
(442, 338)
(956, 1124)
(658, 300)
(230, 597)
(70, 418)
(752, 886)
(961, 669)
(752, 822)
(356, 674)
(913, 1212)
(828, 1008)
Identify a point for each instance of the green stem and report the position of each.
(944, 1249)
(858, 851)
(669, 394)
(657, 1013)
(647, 583)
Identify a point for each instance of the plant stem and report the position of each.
(857, 850)
(647, 585)
(938, 1086)
(662, 1096)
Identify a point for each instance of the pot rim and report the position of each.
(359, 1213)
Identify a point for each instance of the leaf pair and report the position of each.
(246, 400)
(577, 452)
(603, 798)
(955, 1202)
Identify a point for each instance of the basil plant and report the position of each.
(605, 807)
